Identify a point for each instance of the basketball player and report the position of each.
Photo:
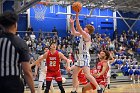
(111, 60)
(42, 75)
(83, 56)
(53, 58)
(100, 73)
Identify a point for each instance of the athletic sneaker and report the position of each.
(73, 92)
(100, 91)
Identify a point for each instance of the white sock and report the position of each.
(73, 89)
(98, 87)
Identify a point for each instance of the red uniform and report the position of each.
(81, 78)
(53, 66)
(101, 80)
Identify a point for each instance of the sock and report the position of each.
(98, 87)
(73, 89)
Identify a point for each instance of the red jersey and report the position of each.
(99, 69)
(53, 61)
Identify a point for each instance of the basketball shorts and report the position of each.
(130, 72)
(83, 60)
(136, 72)
(54, 74)
(42, 76)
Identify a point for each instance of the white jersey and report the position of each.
(42, 71)
(83, 56)
(109, 71)
(43, 67)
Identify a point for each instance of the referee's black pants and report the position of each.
(11, 85)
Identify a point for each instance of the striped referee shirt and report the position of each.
(13, 51)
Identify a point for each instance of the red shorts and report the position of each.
(82, 80)
(54, 74)
(100, 82)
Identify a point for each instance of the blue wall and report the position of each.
(102, 25)
(137, 26)
(121, 25)
(8, 5)
(22, 23)
(51, 20)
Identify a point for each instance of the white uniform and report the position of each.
(42, 71)
(109, 73)
(83, 56)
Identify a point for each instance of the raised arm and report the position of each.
(111, 59)
(85, 35)
(73, 31)
(105, 65)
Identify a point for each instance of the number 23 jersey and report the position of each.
(53, 61)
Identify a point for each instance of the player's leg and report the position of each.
(86, 71)
(40, 82)
(48, 81)
(103, 85)
(75, 82)
(86, 88)
(58, 78)
(108, 82)
(52, 88)
(138, 77)
(61, 86)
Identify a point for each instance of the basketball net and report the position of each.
(40, 10)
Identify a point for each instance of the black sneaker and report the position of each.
(100, 91)
(108, 86)
(73, 92)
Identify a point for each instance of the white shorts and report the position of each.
(42, 76)
(83, 60)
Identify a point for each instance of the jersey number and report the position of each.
(53, 63)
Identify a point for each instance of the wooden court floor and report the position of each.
(119, 88)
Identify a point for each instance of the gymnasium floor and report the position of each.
(117, 88)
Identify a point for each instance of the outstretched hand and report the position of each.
(71, 20)
(68, 69)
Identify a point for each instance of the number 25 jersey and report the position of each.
(53, 61)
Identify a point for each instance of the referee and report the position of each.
(14, 55)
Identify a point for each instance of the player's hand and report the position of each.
(68, 69)
(71, 20)
(98, 75)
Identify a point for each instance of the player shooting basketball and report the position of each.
(83, 56)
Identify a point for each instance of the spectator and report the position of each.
(54, 30)
(32, 36)
(14, 53)
(30, 30)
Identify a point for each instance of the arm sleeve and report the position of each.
(23, 51)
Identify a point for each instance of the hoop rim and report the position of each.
(43, 2)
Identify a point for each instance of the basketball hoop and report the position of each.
(40, 10)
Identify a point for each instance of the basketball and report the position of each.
(77, 6)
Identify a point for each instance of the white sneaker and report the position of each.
(134, 81)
